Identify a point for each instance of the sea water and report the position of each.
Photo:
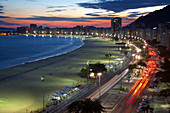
(20, 49)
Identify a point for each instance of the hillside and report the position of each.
(152, 19)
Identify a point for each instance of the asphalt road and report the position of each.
(140, 90)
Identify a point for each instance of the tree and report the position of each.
(75, 107)
(125, 52)
(84, 71)
(97, 68)
(86, 106)
(131, 67)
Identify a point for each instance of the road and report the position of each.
(130, 102)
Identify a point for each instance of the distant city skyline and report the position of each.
(66, 13)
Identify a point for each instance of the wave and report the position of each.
(60, 50)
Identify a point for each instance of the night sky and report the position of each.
(69, 13)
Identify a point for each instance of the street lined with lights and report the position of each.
(127, 103)
(108, 85)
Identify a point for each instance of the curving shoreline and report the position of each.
(24, 90)
(9, 60)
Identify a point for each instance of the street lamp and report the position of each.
(42, 79)
(144, 48)
(133, 55)
(121, 63)
(99, 74)
(138, 57)
(88, 70)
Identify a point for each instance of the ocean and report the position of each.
(19, 49)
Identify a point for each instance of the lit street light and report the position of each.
(88, 70)
(99, 74)
(121, 63)
(121, 67)
(138, 57)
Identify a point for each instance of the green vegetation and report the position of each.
(95, 68)
(121, 89)
(132, 66)
(86, 106)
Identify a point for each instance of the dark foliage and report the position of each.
(141, 63)
(86, 106)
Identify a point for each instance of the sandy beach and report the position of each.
(21, 86)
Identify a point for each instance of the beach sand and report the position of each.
(21, 86)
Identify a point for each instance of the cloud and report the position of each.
(137, 14)
(1, 9)
(55, 19)
(6, 23)
(57, 10)
(98, 18)
(92, 14)
(5, 17)
(49, 7)
(121, 5)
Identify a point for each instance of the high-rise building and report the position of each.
(116, 24)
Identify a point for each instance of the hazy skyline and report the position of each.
(69, 13)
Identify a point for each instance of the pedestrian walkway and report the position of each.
(112, 97)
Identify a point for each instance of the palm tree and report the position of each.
(91, 106)
(75, 107)
(86, 106)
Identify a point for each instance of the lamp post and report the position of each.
(88, 70)
(121, 75)
(121, 63)
(42, 79)
(144, 48)
(99, 74)
(133, 55)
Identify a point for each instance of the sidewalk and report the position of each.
(111, 98)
